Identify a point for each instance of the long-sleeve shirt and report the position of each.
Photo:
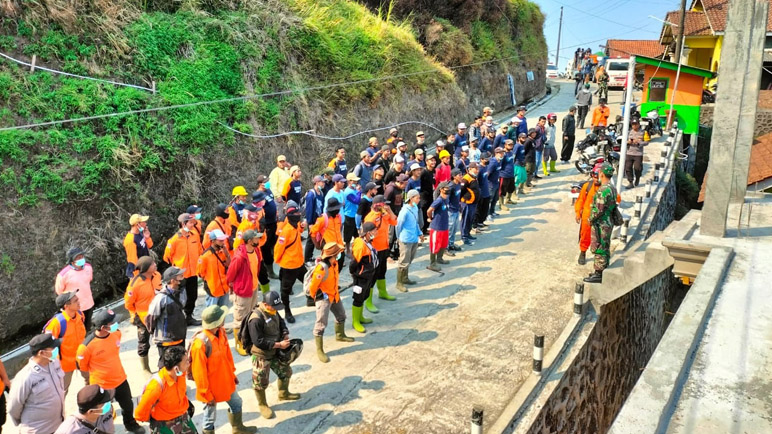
(584, 98)
(351, 204)
(314, 205)
(494, 169)
(408, 229)
(523, 127)
(635, 148)
(569, 125)
(277, 178)
(340, 195)
(551, 130)
(36, 400)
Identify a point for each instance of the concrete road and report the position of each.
(457, 339)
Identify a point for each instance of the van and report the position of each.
(617, 72)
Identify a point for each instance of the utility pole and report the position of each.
(560, 31)
(680, 41)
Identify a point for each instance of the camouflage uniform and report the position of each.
(264, 360)
(603, 86)
(600, 219)
(262, 367)
(180, 425)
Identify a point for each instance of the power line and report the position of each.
(600, 17)
(318, 136)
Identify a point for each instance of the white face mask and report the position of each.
(186, 229)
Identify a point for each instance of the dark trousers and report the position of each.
(191, 290)
(123, 397)
(270, 242)
(568, 147)
(424, 204)
(367, 286)
(162, 349)
(143, 338)
(2, 410)
(288, 277)
(633, 167)
(393, 244)
(467, 218)
(380, 270)
(482, 209)
(583, 109)
(494, 199)
(87, 320)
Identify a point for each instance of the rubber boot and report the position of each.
(582, 258)
(239, 348)
(439, 257)
(145, 362)
(362, 319)
(271, 274)
(320, 349)
(544, 168)
(502, 205)
(284, 393)
(552, 167)
(356, 312)
(285, 300)
(520, 190)
(237, 425)
(400, 281)
(433, 263)
(265, 410)
(265, 288)
(340, 333)
(382, 293)
(369, 302)
(596, 277)
(406, 278)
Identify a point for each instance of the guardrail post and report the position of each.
(648, 189)
(661, 172)
(623, 231)
(579, 298)
(656, 172)
(638, 206)
(538, 353)
(477, 420)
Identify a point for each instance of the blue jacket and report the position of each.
(485, 190)
(408, 229)
(486, 145)
(314, 206)
(523, 127)
(508, 165)
(353, 196)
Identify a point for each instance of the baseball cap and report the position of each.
(249, 235)
(171, 273)
(531, 131)
(516, 120)
(184, 217)
(338, 178)
(380, 199)
(462, 126)
(370, 185)
(372, 140)
(137, 218)
(414, 166)
(498, 150)
(431, 157)
(402, 177)
(440, 144)
(465, 148)
(292, 207)
(352, 177)
(273, 299)
(369, 226)
(472, 139)
(363, 154)
(281, 158)
(393, 130)
(318, 178)
(193, 209)
(455, 172)
(258, 196)
(522, 135)
(473, 165)
(250, 207)
(412, 193)
(92, 396)
(521, 108)
(261, 179)
(65, 297)
(294, 169)
(217, 234)
(419, 134)
(144, 263)
(399, 159)
(43, 341)
(73, 253)
(103, 318)
(401, 144)
(418, 151)
(445, 185)
(213, 316)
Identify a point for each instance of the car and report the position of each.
(552, 71)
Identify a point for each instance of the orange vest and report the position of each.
(131, 248)
(245, 226)
(288, 251)
(100, 357)
(600, 116)
(139, 293)
(382, 223)
(214, 375)
(163, 398)
(583, 204)
(331, 234)
(73, 337)
(183, 251)
(329, 285)
(211, 267)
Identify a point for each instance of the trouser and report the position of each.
(521, 176)
(143, 338)
(393, 243)
(162, 349)
(191, 290)
(469, 211)
(179, 425)
(538, 162)
(424, 204)
(578, 86)
(261, 371)
(270, 241)
(601, 241)
(123, 397)
(407, 253)
(453, 219)
(494, 198)
(582, 114)
(218, 301)
(602, 91)
(585, 234)
(568, 147)
(87, 318)
(367, 285)
(288, 276)
(68, 379)
(210, 411)
(323, 309)
(507, 186)
(243, 305)
(550, 154)
(633, 168)
(380, 270)
(438, 240)
(349, 229)
(308, 251)
(3, 409)
(530, 169)
(482, 210)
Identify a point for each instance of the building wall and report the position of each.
(689, 90)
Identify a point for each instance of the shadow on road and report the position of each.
(313, 422)
(387, 338)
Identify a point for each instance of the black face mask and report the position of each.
(294, 219)
(333, 213)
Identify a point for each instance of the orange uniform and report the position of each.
(139, 294)
(131, 248)
(215, 375)
(600, 116)
(163, 398)
(329, 285)
(100, 357)
(582, 207)
(331, 234)
(245, 226)
(233, 218)
(73, 337)
(212, 268)
(382, 221)
(288, 251)
(221, 224)
(183, 250)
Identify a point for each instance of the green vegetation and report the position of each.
(687, 191)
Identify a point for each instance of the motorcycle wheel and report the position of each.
(578, 166)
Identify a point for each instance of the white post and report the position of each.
(626, 125)
(675, 85)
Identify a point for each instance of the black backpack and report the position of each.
(244, 337)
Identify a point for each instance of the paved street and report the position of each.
(454, 340)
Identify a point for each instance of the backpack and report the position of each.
(616, 217)
(62, 323)
(318, 238)
(244, 337)
(207, 347)
(310, 275)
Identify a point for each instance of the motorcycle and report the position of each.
(595, 149)
(651, 123)
(575, 189)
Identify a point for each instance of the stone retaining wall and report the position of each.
(763, 115)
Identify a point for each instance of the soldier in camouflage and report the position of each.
(604, 203)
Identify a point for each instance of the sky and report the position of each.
(589, 23)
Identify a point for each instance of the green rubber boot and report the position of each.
(320, 350)
(265, 288)
(369, 302)
(400, 281)
(362, 319)
(552, 167)
(340, 333)
(382, 293)
(356, 312)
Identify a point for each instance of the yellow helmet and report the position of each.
(239, 190)
(444, 154)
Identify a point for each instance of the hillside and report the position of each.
(77, 183)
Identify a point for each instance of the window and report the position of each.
(618, 66)
(657, 89)
(552, 68)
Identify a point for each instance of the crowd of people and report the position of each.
(382, 209)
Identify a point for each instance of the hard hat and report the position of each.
(239, 190)
(444, 154)
(292, 352)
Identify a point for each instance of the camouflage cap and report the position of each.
(607, 169)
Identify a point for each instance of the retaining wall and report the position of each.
(763, 114)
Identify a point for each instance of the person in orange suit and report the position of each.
(137, 242)
(288, 252)
(139, 293)
(213, 268)
(182, 251)
(582, 208)
(213, 370)
(220, 222)
(163, 402)
(69, 326)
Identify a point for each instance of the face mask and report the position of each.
(178, 373)
(107, 407)
(241, 202)
(54, 354)
(294, 219)
(186, 229)
(80, 262)
(198, 216)
(141, 229)
(114, 327)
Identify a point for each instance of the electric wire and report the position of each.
(319, 136)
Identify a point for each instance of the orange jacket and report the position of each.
(329, 285)
(214, 375)
(221, 224)
(163, 398)
(139, 294)
(583, 204)
(288, 251)
(212, 268)
(183, 251)
(131, 248)
(245, 226)
(382, 221)
(233, 217)
(73, 337)
(600, 116)
(100, 357)
(333, 231)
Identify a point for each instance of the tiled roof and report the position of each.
(627, 47)
(695, 23)
(716, 12)
(760, 168)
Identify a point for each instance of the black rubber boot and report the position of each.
(582, 258)
(596, 277)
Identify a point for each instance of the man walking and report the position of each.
(243, 280)
(600, 219)
(137, 242)
(68, 326)
(634, 158)
(569, 135)
(182, 251)
(164, 402)
(279, 176)
(95, 413)
(583, 102)
(583, 208)
(314, 209)
(213, 268)
(139, 295)
(289, 255)
(166, 315)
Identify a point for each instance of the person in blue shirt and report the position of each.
(409, 234)
(414, 183)
(366, 204)
(314, 208)
(338, 185)
(486, 144)
(501, 136)
(352, 195)
(338, 163)
(494, 170)
(437, 214)
(485, 192)
(507, 176)
(523, 126)
(454, 209)
(462, 161)
(460, 139)
(521, 175)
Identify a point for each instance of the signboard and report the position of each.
(511, 89)
(529, 75)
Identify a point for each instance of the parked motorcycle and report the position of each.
(594, 149)
(651, 123)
